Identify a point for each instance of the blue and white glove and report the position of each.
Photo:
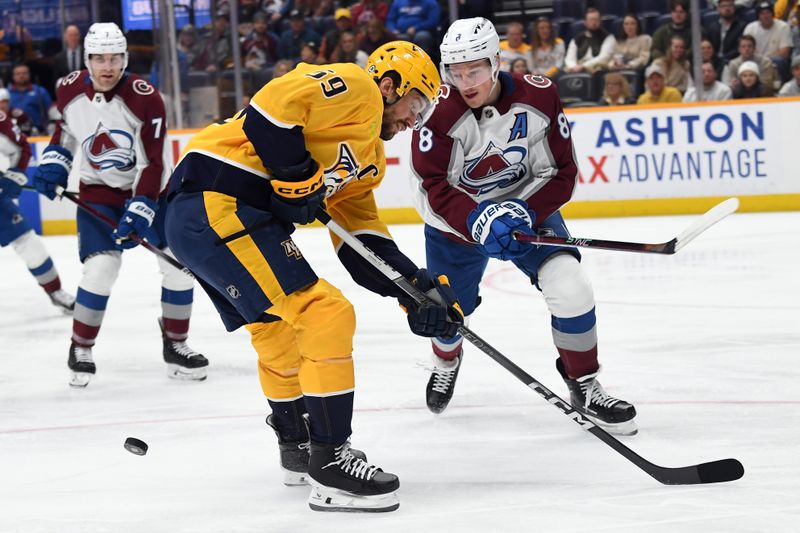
(11, 183)
(53, 170)
(493, 224)
(138, 217)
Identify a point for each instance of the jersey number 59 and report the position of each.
(331, 86)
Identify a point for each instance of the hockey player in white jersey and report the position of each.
(496, 157)
(15, 152)
(117, 122)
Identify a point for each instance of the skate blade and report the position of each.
(80, 380)
(293, 479)
(328, 499)
(186, 374)
(622, 429)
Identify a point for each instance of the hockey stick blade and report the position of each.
(713, 472)
(705, 221)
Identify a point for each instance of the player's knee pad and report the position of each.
(565, 286)
(172, 278)
(100, 271)
(30, 248)
(323, 320)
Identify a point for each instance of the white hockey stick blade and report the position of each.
(709, 218)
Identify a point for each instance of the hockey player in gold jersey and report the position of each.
(309, 139)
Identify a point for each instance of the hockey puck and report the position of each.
(136, 446)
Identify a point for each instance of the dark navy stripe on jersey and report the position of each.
(277, 146)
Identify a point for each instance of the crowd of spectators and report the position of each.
(748, 49)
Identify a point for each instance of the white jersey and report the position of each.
(119, 134)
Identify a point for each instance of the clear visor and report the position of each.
(465, 76)
(421, 108)
(106, 60)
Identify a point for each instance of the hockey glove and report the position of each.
(297, 197)
(439, 319)
(138, 217)
(493, 224)
(11, 183)
(53, 170)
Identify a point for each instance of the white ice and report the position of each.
(705, 343)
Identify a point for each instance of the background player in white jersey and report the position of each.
(15, 152)
(494, 158)
(118, 123)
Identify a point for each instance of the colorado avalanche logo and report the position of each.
(493, 169)
(344, 170)
(109, 149)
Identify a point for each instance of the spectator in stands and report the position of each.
(247, 11)
(792, 87)
(675, 65)
(747, 49)
(520, 66)
(71, 57)
(514, 46)
(29, 97)
(189, 46)
(366, 10)
(657, 91)
(309, 53)
(293, 39)
(795, 26)
(713, 90)
(709, 54)
(414, 20)
(217, 53)
(726, 30)
(773, 38)
(347, 52)
(785, 9)
(590, 50)
(374, 36)
(282, 66)
(260, 47)
(330, 41)
(313, 9)
(617, 90)
(547, 50)
(678, 25)
(749, 85)
(274, 10)
(632, 50)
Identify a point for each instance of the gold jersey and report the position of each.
(339, 108)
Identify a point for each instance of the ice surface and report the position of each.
(701, 342)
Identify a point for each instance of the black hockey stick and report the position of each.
(712, 472)
(708, 219)
(61, 191)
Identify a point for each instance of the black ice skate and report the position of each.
(63, 300)
(183, 362)
(587, 396)
(82, 366)
(294, 453)
(340, 481)
(442, 382)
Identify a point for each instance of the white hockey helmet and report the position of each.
(470, 40)
(105, 38)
